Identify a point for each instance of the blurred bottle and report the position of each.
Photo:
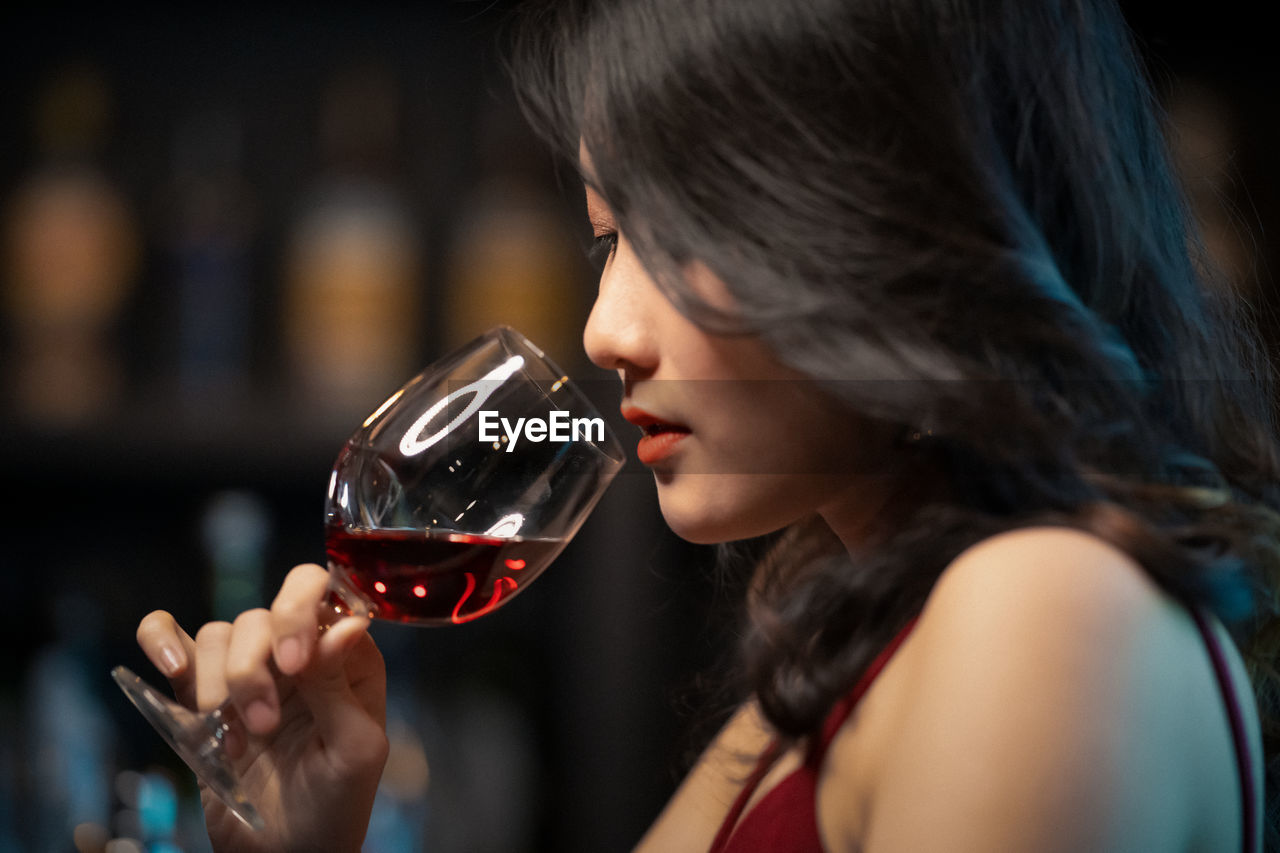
(236, 531)
(352, 280)
(69, 734)
(513, 257)
(71, 250)
(148, 818)
(209, 214)
(512, 263)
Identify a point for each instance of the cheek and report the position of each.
(755, 476)
(709, 288)
(771, 430)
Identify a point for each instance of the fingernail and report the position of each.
(259, 716)
(170, 663)
(289, 654)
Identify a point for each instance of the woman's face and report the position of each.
(739, 444)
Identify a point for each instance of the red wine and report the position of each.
(435, 576)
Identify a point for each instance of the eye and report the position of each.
(602, 249)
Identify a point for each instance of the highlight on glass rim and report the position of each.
(881, 395)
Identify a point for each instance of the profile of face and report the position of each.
(740, 445)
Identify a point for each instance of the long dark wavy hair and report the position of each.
(959, 217)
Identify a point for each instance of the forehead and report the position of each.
(596, 204)
(587, 169)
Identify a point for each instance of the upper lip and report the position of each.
(648, 422)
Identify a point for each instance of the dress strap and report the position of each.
(844, 707)
(730, 822)
(839, 714)
(1244, 759)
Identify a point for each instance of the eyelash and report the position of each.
(602, 249)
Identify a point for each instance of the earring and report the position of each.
(915, 436)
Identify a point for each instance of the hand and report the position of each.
(313, 705)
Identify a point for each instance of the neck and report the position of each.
(867, 514)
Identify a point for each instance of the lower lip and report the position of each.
(655, 448)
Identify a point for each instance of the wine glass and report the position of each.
(448, 501)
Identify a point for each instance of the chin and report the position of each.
(702, 516)
(699, 534)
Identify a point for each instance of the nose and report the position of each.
(619, 335)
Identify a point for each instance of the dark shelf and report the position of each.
(263, 444)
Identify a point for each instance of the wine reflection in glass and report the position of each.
(448, 501)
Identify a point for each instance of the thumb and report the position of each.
(349, 732)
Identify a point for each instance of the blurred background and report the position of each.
(227, 235)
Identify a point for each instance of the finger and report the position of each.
(293, 616)
(211, 664)
(351, 730)
(367, 675)
(334, 647)
(171, 650)
(250, 682)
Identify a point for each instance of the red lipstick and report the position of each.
(661, 437)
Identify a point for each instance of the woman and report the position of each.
(908, 288)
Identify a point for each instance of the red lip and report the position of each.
(661, 437)
(646, 421)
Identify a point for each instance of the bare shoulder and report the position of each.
(1044, 701)
(1024, 576)
(1044, 610)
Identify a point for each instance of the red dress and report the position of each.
(785, 820)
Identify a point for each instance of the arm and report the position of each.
(1032, 714)
(692, 818)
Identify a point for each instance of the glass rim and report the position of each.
(611, 446)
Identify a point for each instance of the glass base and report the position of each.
(197, 738)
